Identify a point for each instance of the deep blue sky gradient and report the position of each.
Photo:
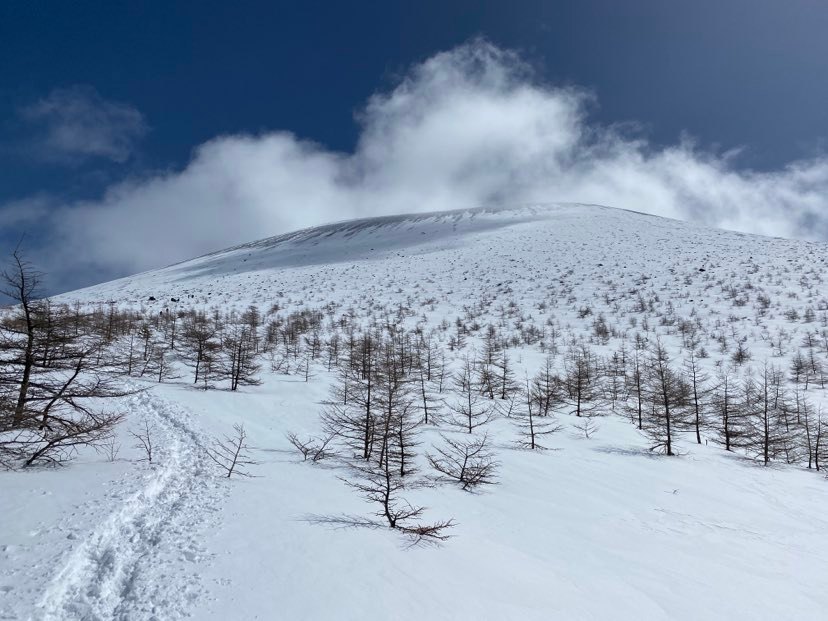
(749, 73)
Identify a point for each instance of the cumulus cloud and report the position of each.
(467, 127)
(76, 123)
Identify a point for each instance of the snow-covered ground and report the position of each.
(594, 528)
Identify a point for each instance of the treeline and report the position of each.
(62, 368)
(392, 383)
(57, 369)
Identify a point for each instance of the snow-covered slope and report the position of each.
(462, 255)
(597, 528)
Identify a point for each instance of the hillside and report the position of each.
(588, 309)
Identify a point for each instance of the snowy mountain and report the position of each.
(601, 524)
(471, 253)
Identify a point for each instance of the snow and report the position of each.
(98, 549)
(593, 529)
(597, 528)
(157, 524)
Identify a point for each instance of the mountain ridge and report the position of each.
(363, 238)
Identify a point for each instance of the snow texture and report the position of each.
(594, 529)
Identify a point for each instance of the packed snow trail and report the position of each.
(134, 564)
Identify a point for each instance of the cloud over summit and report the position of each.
(466, 127)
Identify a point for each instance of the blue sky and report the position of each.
(117, 119)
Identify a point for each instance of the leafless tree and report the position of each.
(232, 454)
(351, 413)
(582, 380)
(144, 441)
(615, 385)
(110, 448)
(240, 364)
(426, 379)
(200, 346)
(698, 380)
(729, 411)
(383, 486)
(814, 427)
(763, 403)
(20, 283)
(587, 426)
(505, 376)
(468, 461)
(636, 390)
(535, 418)
(27, 447)
(668, 397)
(469, 409)
(396, 410)
(313, 448)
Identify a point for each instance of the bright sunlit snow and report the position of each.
(592, 528)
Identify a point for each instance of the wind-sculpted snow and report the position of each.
(353, 240)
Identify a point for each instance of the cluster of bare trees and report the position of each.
(221, 350)
(61, 366)
(750, 408)
(385, 392)
(665, 398)
(57, 368)
(399, 378)
(62, 369)
(391, 383)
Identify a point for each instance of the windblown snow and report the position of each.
(592, 528)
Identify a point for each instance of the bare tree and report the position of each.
(668, 396)
(763, 403)
(398, 423)
(29, 447)
(144, 441)
(505, 376)
(582, 380)
(162, 364)
(110, 448)
(468, 461)
(469, 410)
(240, 364)
(536, 419)
(383, 486)
(20, 283)
(699, 391)
(351, 412)
(426, 378)
(200, 346)
(314, 448)
(729, 425)
(232, 454)
(615, 374)
(547, 390)
(636, 390)
(814, 427)
(587, 426)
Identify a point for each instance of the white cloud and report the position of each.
(466, 127)
(77, 123)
